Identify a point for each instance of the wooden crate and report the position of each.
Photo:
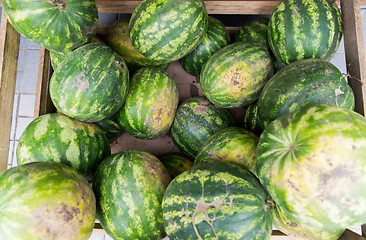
(188, 84)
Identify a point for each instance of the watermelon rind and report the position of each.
(46, 200)
(216, 201)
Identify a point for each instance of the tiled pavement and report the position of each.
(26, 89)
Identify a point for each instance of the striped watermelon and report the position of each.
(129, 188)
(216, 201)
(166, 30)
(301, 29)
(216, 37)
(57, 25)
(250, 119)
(118, 38)
(110, 127)
(312, 163)
(232, 145)
(55, 137)
(254, 31)
(196, 120)
(91, 84)
(302, 82)
(176, 163)
(299, 231)
(45, 200)
(151, 104)
(235, 75)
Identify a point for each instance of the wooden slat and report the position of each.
(9, 50)
(355, 51)
(43, 103)
(213, 6)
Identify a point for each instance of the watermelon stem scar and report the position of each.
(203, 206)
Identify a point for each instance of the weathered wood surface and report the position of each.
(9, 49)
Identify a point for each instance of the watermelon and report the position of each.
(312, 162)
(254, 31)
(250, 119)
(176, 163)
(118, 38)
(167, 30)
(300, 29)
(302, 82)
(216, 201)
(151, 104)
(110, 127)
(45, 200)
(57, 25)
(55, 137)
(216, 37)
(196, 120)
(91, 83)
(129, 188)
(232, 145)
(300, 231)
(235, 75)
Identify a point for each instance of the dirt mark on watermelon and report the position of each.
(118, 64)
(82, 84)
(202, 207)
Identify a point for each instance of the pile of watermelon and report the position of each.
(295, 160)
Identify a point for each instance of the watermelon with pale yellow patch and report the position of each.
(151, 103)
(235, 75)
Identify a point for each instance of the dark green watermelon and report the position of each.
(216, 37)
(312, 162)
(216, 201)
(250, 119)
(176, 163)
(300, 83)
(129, 188)
(110, 127)
(235, 75)
(55, 137)
(45, 200)
(151, 103)
(167, 30)
(196, 120)
(118, 38)
(91, 83)
(301, 29)
(254, 31)
(57, 25)
(232, 145)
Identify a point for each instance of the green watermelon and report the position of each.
(300, 231)
(196, 120)
(129, 188)
(216, 201)
(118, 38)
(232, 145)
(216, 37)
(312, 162)
(300, 83)
(55, 137)
(166, 30)
(235, 75)
(301, 29)
(250, 119)
(176, 163)
(110, 127)
(57, 25)
(151, 104)
(45, 200)
(91, 83)
(254, 31)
